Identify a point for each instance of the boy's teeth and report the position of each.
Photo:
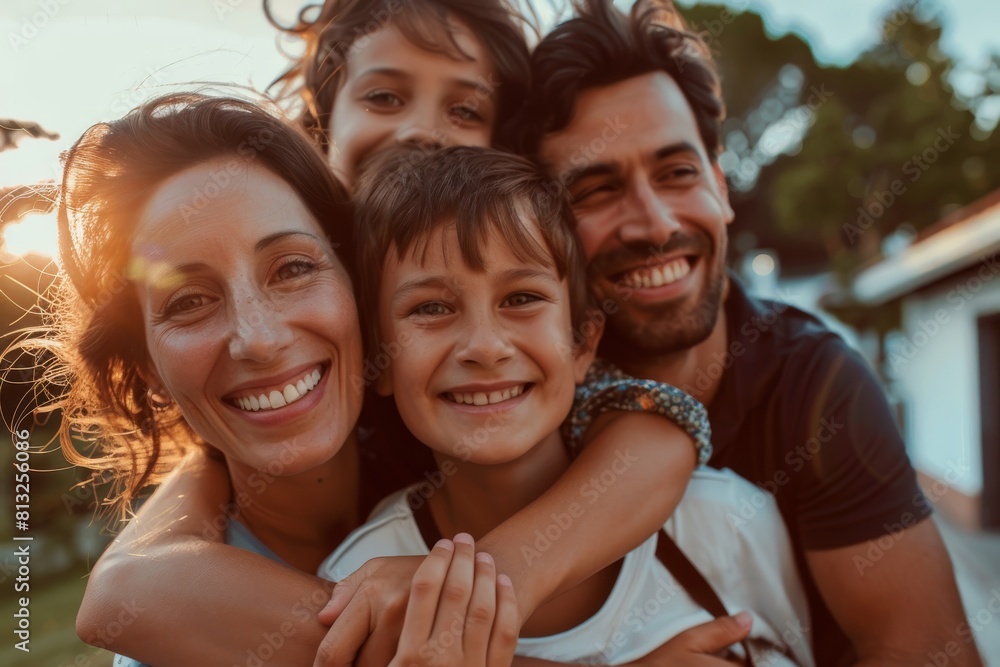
(278, 399)
(482, 398)
(657, 276)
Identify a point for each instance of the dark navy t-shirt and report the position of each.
(801, 414)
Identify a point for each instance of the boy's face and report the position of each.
(486, 369)
(394, 91)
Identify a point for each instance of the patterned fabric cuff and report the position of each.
(607, 388)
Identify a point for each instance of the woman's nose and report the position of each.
(258, 332)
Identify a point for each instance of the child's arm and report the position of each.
(169, 592)
(620, 490)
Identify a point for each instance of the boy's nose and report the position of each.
(485, 346)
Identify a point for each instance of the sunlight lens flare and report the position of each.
(34, 235)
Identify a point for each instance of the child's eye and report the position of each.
(521, 299)
(294, 269)
(383, 98)
(433, 309)
(467, 113)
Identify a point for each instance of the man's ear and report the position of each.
(720, 180)
(590, 335)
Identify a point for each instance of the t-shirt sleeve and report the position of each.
(607, 387)
(854, 481)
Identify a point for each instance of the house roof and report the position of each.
(958, 241)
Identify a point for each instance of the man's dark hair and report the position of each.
(601, 46)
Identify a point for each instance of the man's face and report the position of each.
(652, 211)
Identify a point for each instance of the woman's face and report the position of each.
(395, 91)
(250, 320)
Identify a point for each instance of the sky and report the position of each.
(71, 63)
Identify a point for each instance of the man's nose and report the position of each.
(650, 218)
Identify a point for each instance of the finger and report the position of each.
(716, 635)
(344, 639)
(455, 594)
(506, 625)
(482, 609)
(425, 593)
(342, 595)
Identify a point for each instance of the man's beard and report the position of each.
(669, 328)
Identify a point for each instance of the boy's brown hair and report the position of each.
(406, 193)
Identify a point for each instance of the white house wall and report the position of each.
(937, 369)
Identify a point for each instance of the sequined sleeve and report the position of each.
(606, 387)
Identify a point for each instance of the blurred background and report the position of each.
(863, 158)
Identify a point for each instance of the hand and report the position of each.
(371, 601)
(460, 612)
(701, 645)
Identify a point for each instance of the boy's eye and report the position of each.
(521, 299)
(433, 309)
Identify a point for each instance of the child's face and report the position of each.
(484, 367)
(395, 91)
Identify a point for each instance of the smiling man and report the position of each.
(627, 112)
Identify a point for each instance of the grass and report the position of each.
(53, 612)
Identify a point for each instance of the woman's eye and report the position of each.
(294, 269)
(433, 309)
(184, 303)
(521, 299)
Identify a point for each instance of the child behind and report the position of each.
(471, 272)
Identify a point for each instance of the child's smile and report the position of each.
(490, 358)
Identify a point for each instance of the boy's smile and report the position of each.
(490, 357)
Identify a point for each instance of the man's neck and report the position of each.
(697, 370)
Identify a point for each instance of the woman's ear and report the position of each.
(590, 336)
(157, 393)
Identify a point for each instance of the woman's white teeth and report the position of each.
(482, 398)
(278, 399)
(657, 276)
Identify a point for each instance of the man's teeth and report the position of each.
(657, 276)
(278, 399)
(482, 398)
